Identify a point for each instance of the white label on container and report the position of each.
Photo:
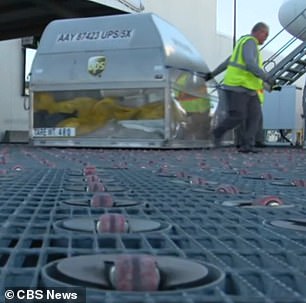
(54, 132)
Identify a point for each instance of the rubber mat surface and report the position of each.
(207, 206)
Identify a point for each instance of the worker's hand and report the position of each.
(208, 76)
(269, 83)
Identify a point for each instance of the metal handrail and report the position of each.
(288, 43)
(132, 6)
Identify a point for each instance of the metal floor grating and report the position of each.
(261, 263)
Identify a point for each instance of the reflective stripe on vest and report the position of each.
(193, 104)
(236, 72)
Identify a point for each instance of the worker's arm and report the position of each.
(250, 56)
(218, 70)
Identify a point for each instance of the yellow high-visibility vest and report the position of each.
(191, 103)
(236, 72)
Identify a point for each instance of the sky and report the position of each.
(249, 12)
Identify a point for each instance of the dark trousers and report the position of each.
(241, 108)
(259, 136)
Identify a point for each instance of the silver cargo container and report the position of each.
(118, 81)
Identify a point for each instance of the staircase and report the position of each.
(292, 64)
(291, 68)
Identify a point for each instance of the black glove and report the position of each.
(208, 76)
(276, 87)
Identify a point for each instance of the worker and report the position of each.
(244, 76)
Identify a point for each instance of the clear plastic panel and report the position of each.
(190, 106)
(111, 114)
